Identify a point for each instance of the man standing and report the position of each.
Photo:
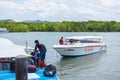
(61, 41)
(42, 49)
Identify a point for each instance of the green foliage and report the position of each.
(43, 27)
(65, 26)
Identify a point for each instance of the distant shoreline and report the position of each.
(65, 26)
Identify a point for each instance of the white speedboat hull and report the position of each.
(78, 50)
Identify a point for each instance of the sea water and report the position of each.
(98, 66)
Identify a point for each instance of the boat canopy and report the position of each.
(84, 37)
(9, 49)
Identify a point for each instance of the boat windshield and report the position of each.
(89, 41)
(92, 40)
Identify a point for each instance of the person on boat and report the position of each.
(34, 57)
(61, 41)
(41, 57)
(71, 41)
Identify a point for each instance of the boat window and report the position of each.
(4, 66)
(91, 41)
(5, 63)
(87, 40)
(71, 41)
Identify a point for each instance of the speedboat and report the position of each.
(3, 30)
(80, 45)
(8, 52)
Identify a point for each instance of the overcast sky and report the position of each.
(60, 10)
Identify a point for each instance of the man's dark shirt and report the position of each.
(40, 47)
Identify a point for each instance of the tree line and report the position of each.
(64, 26)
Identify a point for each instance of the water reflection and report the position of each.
(70, 65)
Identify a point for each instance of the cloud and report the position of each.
(110, 3)
(58, 10)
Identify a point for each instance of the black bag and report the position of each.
(31, 69)
(50, 70)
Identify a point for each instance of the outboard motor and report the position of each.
(50, 70)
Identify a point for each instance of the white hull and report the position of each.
(79, 50)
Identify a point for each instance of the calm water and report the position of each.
(98, 66)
